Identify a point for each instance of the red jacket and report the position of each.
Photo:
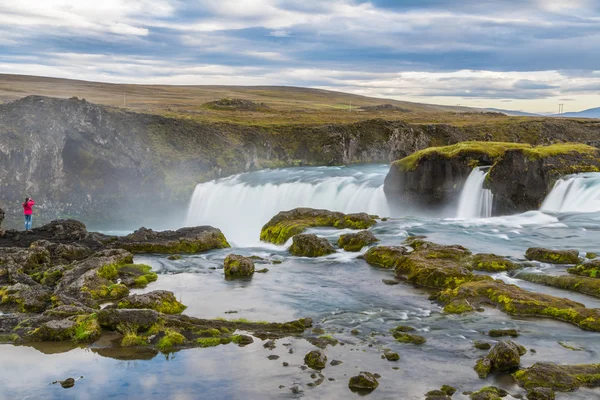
(27, 207)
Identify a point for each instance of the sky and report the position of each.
(528, 55)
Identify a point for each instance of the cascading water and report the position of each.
(475, 201)
(574, 193)
(241, 204)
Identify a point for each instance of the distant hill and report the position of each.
(589, 113)
(513, 113)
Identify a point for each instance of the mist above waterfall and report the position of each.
(241, 204)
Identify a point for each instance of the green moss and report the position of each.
(553, 256)
(469, 150)
(208, 332)
(51, 277)
(87, 329)
(403, 337)
(563, 378)
(483, 366)
(109, 271)
(460, 306)
(589, 269)
(8, 338)
(583, 284)
(183, 246)
(170, 340)
(492, 263)
(384, 256)
(133, 340)
(141, 273)
(208, 341)
(166, 305)
(559, 149)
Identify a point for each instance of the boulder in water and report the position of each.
(364, 381)
(159, 300)
(308, 245)
(489, 393)
(563, 378)
(504, 356)
(287, 224)
(356, 241)
(235, 265)
(503, 332)
(553, 256)
(315, 359)
(184, 240)
(492, 263)
(385, 256)
(67, 383)
(590, 269)
(541, 393)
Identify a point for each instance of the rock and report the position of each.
(385, 256)
(492, 263)
(273, 357)
(270, 344)
(481, 345)
(580, 284)
(112, 318)
(409, 338)
(174, 257)
(364, 381)
(503, 332)
(391, 282)
(56, 330)
(286, 364)
(552, 256)
(262, 271)
(315, 359)
(488, 393)
(445, 393)
(333, 363)
(318, 331)
(236, 266)
(563, 378)
(355, 332)
(356, 241)
(522, 178)
(287, 224)
(449, 390)
(391, 356)
(590, 269)
(506, 355)
(245, 340)
(159, 300)
(67, 383)
(184, 240)
(541, 393)
(483, 367)
(308, 245)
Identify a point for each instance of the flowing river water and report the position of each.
(340, 292)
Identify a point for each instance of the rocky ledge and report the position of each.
(54, 280)
(287, 224)
(520, 175)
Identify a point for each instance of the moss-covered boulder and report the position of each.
(482, 345)
(385, 256)
(365, 381)
(287, 224)
(160, 300)
(492, 263)
(503, 332)
(590, 269)
(580, 284)
(402, 335)
(391, 356)
(563, 378)
(308, 245)
(517, 301)
(444, 393)
(77, 328)
(184, 240)
(356, 241)
(552, 256)
(504, 356)
(315, 359)
(541, 394)
(235, 266)
(488, 393)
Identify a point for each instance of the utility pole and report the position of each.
(560, 109)
(124, 100)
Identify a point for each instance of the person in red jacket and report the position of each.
(27, 211)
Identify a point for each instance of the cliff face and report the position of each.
(97, 164)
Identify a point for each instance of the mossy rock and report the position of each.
(365, 381)
(590, 269)
(287, 224)
(158, 300)
(131, 275)
(506, 355)
(541, 394)
(170, 340)
(514, 300)
(391, 356)
(503, 332)
(580, 284)
(563, 378)
(403, 337)
(174, 257)
(488, 393)
(315, 359)
(482, 345)
(184, 240)
(492, 263)
(483, 367)
(552, 256)
(78, 329)
(235, 266)
(308, 245)
(459, 306)
(356, 241)
(385, 256)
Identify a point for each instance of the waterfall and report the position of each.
(241, 204)
(475, 201)
(574, 193)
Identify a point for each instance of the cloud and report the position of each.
(425, 50)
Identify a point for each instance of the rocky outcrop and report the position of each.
(552, 256)
(310, 246)
(158, 300)
(563, 378)
(184, 240)
(520, 175)
(315, 359)
(365, 381)
(235, 265)
(356, 241)
(289, 223)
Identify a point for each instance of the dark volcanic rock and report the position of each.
(315, 359)
(356, 241)
(308, 245)
(552, 256)
(235, 265)
(363, 381)
(184, 240)
(160, 300)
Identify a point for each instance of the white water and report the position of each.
(475, 201)
(240, 205)
(575, 193)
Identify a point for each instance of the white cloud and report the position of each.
(280, 33)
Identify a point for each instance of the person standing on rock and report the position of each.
(28, 211)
